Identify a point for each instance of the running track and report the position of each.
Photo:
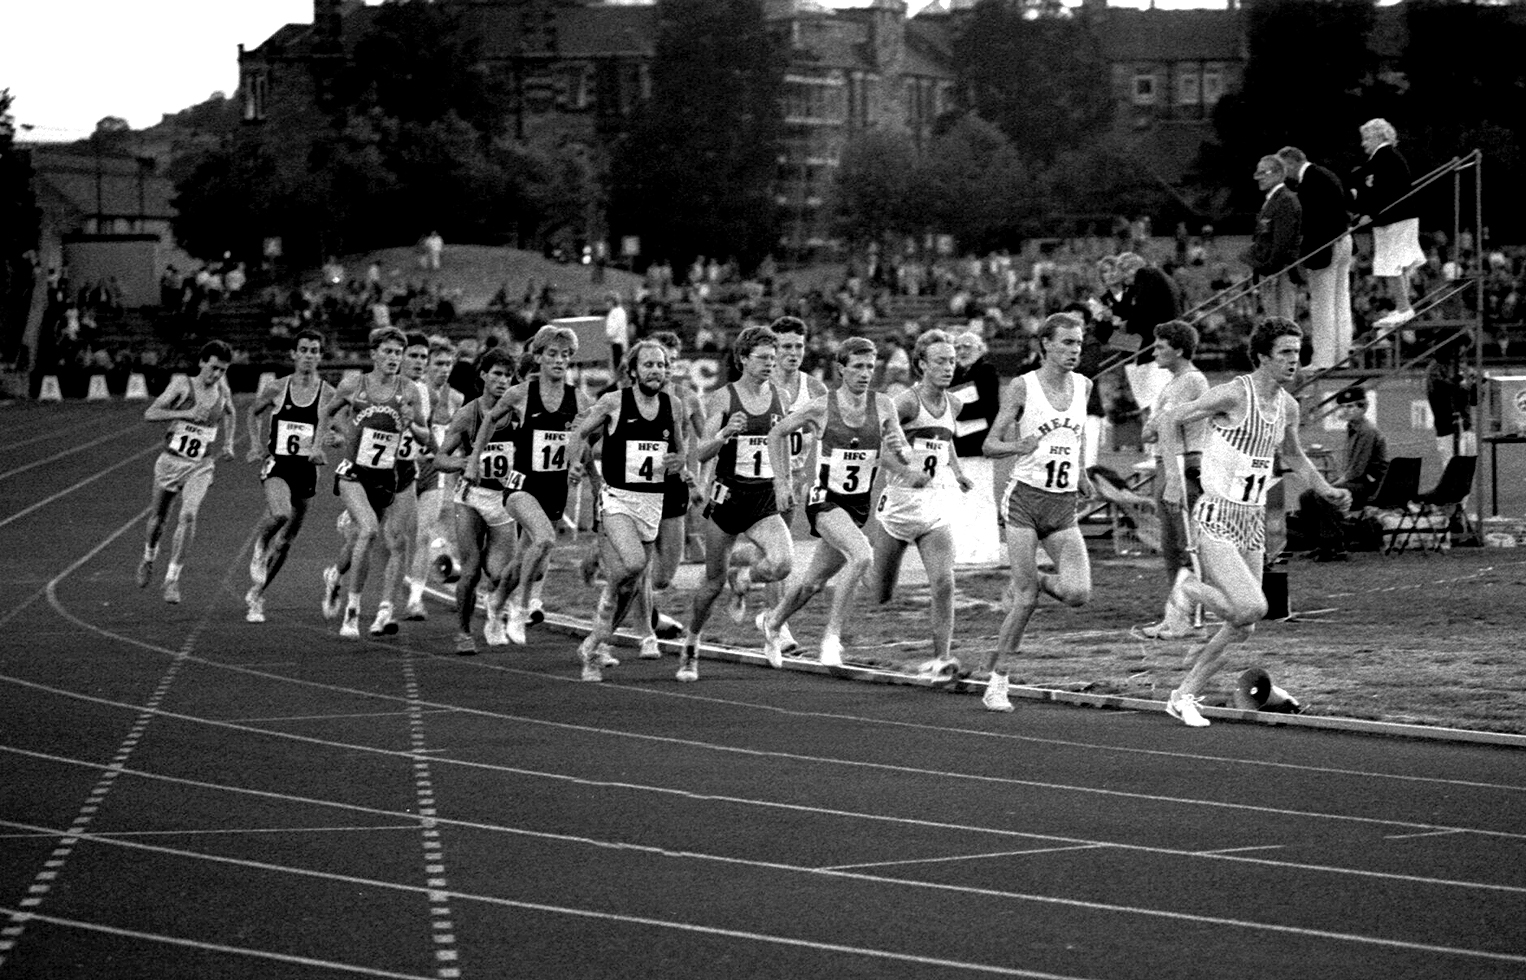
(183, 794)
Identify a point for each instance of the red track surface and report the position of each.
(186, 794)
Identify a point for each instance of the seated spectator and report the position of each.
(1366, 462)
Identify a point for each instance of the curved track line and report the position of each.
(66, 453)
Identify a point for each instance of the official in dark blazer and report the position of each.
(1149, 298)
(1328, 269)
(1275, 245)
(1379, 186)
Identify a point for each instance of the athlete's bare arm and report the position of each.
(716, 434)
(160, 411)
(230, 419)
(340, 402)
(813, 414)
(1226, 401)
(1014, 398)
(1292, 452)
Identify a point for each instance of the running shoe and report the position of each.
(145, 573)
(415, 612)
(604, 657)
(255, 599)
(831, 650)
(1163, 630)
(666, 627)
(1184, 708)
(350, 629)
(995, 698)
(257, 570)
(172, 590)
(688, 666)
(537, 612)
(1178, 605)
(492, 629)
(650, 650)
(787, 642)
(939, 670)
(770, 641)
(591, 669)
(331, 592)
(514, 622)
(384, 624)
(466, 646)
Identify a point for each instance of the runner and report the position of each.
(1047, 409)
(287, 473)
(435, 486)
(643, 442)
(1252, 421)
(484, 527)
(196, 407)
(919, 499)
(853, 422)
(742, 498)
(541, 412)
(382, 406)
(402, 524)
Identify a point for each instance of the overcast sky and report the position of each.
(69, 63)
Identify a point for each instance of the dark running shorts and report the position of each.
(743, 506)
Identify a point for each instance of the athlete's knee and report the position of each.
(1075, 596)
(942, 587)
(774, 569)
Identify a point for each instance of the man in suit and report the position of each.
(1275, 245)
(1328, 271)
(1149, 298)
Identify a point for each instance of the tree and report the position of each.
(977, 186)
(1038, 73)
(20, 222)
(874, 194)
(695, 174)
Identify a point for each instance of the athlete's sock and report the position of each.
(150, 552)
(172, 571)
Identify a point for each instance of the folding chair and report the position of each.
(1442, 502)
(1401, 484)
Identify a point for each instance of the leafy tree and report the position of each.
(875, 194)
(978, 186)
(1038, 73)
(20, 221)
(695, 174)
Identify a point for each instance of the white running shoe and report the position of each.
(492, 629)
(256, 602)
(939, 670)
(740, 580)
(787, 642)
(257, 570)
(688, 666)
(415, 612)
(831, 651)
(514, 622)
(465, 645)
(770, 641)
(172, 590)
(350, 629)
(1183, 707)
(604, 657)
(649, 648)
(995, 698)
(384, 624)
(331, 592)
(591, 671)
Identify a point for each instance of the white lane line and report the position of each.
(1051, 900)
(442, 924)
(340, 717)
(811, 811)
(234, 831)
(69, 452)
(1241, 850)
(77, 486)
(69, 430)
(962, 857)
(1428, 833)
(155, 937)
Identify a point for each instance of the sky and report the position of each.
(70, 63)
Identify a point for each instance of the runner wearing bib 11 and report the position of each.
(382, 406)
(855, 430)
(1252, 422)
(198, 409)
(1041, 421)
(287, 474)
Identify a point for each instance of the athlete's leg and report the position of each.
(428, 505)
(471, 535)
(937, 550)
(1231, 587)
(365, 525)
(772, 537)
(718, 545)
(272, 522)
(161, 501)
(280, 546)
(191, 496)
(624, 557)
(885, 568)
(398, 534)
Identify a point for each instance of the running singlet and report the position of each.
(633, 451)
(192, 440)
(497, 460)
(542, 445)
(377, 435)
(293, 426)
(744, 458)
(931, 438)
(1055, 466)
(1237, 460)
(801, 439)
(848, 455)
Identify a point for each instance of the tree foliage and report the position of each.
(20, 221)
(695, 174)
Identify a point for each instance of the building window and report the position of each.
(1144, 89)
(256, 85)
(1213, 86)
(1189, 87)
(815, 100)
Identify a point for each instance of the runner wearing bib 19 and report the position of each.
(1040, 421)
(856, 429)
(197, 409)
(1252, 422)
(287, 473)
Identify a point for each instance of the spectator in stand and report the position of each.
(1380, 188)
(433, 246)
(1366, 462)
(1326, 227)
(978, 391)
(235, 279)
(1149, 299)
(1276, 242)
(617, 330)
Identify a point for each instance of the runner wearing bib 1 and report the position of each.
(292, 429)
(1042, 492)
(908, 512)
(631, 463)
(1237, 470)
(743, 493)
(847, 459)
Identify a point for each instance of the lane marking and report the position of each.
(69, 452)
(1242, 850)
(442, 925)
(1429, 833)
(812, 811)
(340, 717)
(22, 916)
(68, 430)
(77, 486)
(962, 857)
(1072, 903)
(232, 831)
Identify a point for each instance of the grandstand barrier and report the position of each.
(50, 391)
(137, 387)
(97, 391)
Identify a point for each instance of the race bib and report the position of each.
(548, 451)
(752, 462)
(376, 450)
(497, 461)
(643, 461)
(1250, 481)
(928, 455)
(294, 438)
(850, 471)
(191, 441)
(407, 446)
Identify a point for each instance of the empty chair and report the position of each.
(1438, 506)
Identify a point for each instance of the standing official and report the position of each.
(1276, 243)
(1327, 227)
